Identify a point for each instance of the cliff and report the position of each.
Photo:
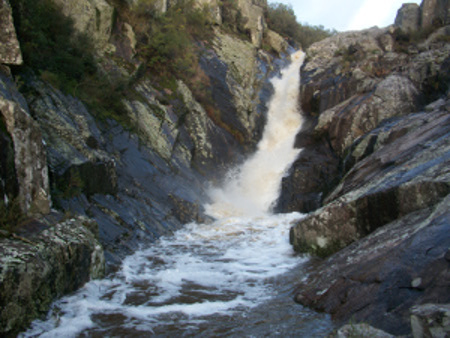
(373, 172)
(112, 147)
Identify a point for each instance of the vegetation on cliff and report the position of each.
(281, 18)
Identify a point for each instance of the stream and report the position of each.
(234, 276)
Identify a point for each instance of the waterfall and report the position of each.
(252, 188)
(232, 277)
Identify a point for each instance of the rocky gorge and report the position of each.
(372, 174)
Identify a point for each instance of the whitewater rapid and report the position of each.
(208, 279)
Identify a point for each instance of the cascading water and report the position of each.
(231, 277)
(252, 188)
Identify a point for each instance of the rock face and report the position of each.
(48, 261)
(408, 17)
(9, 46)
(379, 278)
(30, 159)
(92, 17)
(435, 12)
(373, 173)
(404, 173)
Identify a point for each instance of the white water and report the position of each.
(204, 273)
(252, 188)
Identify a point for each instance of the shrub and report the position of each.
(281, 19)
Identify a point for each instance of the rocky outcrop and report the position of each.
(9, 45)
(408, 17)
(30, 159)
(406, 172)
(92, 17)
(46, 261)
(351, 83)
(253, 12)
(435, 13)
(377, 134)
(379, 278)
(276, 41)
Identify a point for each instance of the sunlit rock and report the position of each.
(29, 151)
(9, 46)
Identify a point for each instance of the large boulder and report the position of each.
(253, 12)
(408, 17)
(46, 261)
(9, 45)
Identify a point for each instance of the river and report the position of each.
(231, 277)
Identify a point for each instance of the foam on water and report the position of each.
(204, 269)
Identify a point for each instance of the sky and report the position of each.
(344, 15)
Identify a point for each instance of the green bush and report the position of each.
(281, 19)
(65, 58)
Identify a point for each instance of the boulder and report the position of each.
(46, 261)
(430, 320)
(30, 158)
(253, 12)
(408, 17)
(9, 45)
(276, 41)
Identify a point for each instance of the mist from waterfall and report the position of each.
(252, 188)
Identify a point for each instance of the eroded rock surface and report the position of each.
(29, 152)
(379, 278)
(48, 260)
(9, 45)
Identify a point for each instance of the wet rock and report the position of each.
(9, 45)
(371, 280)
(361, 330)
(408, 17)
(406, 174)
(29, 152)
(41, 265)
(430, 320)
